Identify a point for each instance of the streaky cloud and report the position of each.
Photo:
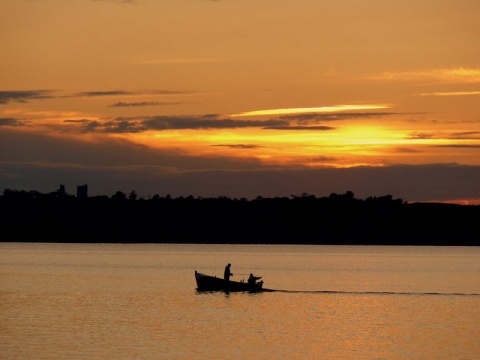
(458, 146)
(453, 75)
(114, 126)
(308, 118)
(23, 96)
(206, 122)
(10, 122)
(128, 93)
(320, 109)
(451, 93)
(180, 61)
(405, 150)
(161, 123)
(239, 146)
(177, 123)
(464, 135)
(300, 127)
(77, 121)
(420, 136)
(119, 1)
(104, 93)
(144, 103)
(302, 122)
(467, 133)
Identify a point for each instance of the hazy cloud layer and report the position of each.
(409, 182)
(120, 165)
(110, 153)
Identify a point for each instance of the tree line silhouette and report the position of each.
(304, 219)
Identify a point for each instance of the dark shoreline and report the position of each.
(334, 220)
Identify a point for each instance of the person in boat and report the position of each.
(253, 279)
(227, 273)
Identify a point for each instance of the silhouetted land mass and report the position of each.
(306, 219)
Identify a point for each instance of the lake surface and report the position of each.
(99, 301)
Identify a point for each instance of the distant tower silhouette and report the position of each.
(82, 191)
(61, 190)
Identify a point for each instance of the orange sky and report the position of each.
(199, 88)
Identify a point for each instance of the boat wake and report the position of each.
(372, 292)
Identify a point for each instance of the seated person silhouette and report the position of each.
(252, 280)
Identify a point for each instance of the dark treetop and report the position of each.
(306, 219)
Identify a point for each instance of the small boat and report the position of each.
(212, 283)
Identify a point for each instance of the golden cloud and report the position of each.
(321, 109)
(454, 75)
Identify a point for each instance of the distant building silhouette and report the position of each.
(60, 192)
(82, 191)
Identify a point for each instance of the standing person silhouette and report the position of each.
(227, 273)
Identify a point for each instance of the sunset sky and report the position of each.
(242, 98)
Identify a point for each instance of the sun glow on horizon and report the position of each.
(351, 146)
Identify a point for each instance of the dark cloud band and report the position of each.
(10, 122)
(23, 96)
(144, 103)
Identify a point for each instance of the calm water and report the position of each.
(71, 301)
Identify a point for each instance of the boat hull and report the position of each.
(212, 283)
